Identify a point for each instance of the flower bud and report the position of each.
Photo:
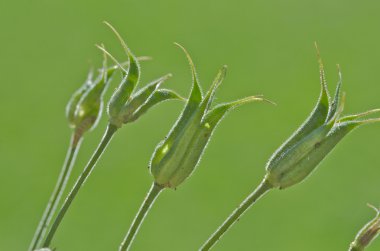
(126, 104)
(73, 102)
(176, 157)
(316, 137)
(124, 91)
(367, 234)
(84, 109)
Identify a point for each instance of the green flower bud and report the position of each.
(367, 234)
(126, 104)
(85, 106)
(73, 102)
(316, 137)
(176, 157)
(125, 89)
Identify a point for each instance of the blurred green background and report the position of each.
(46, 49)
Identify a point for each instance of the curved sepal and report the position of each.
(139, 98)
(196, 92)
(128, 84)
(215, 115)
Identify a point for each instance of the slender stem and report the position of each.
(144, 209)
(247, 203)
(111, 129)
(58, 191)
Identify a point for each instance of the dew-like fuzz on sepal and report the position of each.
(315, 138)
(177, 156)
(127, 104)
(368, 233)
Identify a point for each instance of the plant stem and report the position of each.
(235, 216)
(147, 204)
(60, 186)
(111, 129)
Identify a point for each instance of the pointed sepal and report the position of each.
(196, 92)
(128, 84)
(335, 103)
(209, 97)
(214, 116)
(140, 98)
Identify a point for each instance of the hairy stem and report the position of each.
(111, 129)
(235, 216)
(58, 191)
(144, 209)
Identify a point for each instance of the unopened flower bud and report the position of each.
(367, 234)
(85, 107)
(312, 142)
(127, 104)
(177, 156)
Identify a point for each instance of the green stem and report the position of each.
(58, 191)
(247, 203)
(111, 129)
(144, 209)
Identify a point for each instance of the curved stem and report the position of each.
(58, 191)
(144, 209)
(247, 203)
(111, 129)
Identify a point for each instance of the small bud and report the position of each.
(73, 102)
(84, 109)
(176, 157)
(316, 137)
(367, 234)
(127, 104)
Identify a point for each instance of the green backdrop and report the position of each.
(46, 49)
